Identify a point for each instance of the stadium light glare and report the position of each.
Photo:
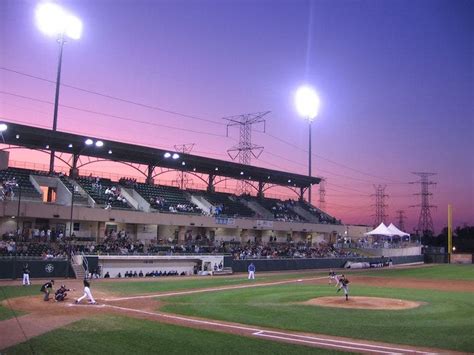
(110, 151)
(3, 127)
(167, 154)
(175, 156)
(89, 141)
(53, 20)
(99, 144)
(307, 102)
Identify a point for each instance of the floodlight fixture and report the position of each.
(53, 20)
(307, 102)
(175, 156)
(89, 141)
(99, 144)
(3, 127)
(167, 155)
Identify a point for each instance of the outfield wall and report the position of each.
(300, 264)
(44, 269)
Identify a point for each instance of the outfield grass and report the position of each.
(123, 335)
(165, 285)
(7, 292)
(435, 272)
(445, 321)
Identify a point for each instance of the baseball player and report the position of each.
(26, 275)
(333, 276)
(87, 293)
(344, 284)
(46, 289)
(61, 294)
(251, 270)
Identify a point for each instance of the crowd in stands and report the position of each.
(6, 189)
(288, 250)
(128, 182)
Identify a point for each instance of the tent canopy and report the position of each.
(382, 229)
(392, 228)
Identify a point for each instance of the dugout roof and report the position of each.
(45, 139)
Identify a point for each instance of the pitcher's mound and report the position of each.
(363, 303)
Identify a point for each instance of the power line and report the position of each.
(112, 116)
(192, 117)
(156, 108)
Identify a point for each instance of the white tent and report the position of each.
(382, 229)
(392, 228)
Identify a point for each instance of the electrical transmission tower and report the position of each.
(425, 222)
(244, 150)
(401, 219)
(322, 194)
(182, 179)
(380, 204)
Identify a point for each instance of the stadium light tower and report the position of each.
(55, 21)
(307, 104)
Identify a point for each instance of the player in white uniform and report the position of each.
(344, 284)
(333, 277)
(87, 293)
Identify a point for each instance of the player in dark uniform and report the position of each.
(61, 293)
(46, 289)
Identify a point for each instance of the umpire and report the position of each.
(46, 289)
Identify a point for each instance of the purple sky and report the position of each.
(395, 80)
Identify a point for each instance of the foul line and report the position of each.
(342, 344)
(224, 288)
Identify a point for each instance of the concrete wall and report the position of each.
(249, 227)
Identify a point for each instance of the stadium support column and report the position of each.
(301, 194)
(149, 175)
(309, 162)
(261, 185)
(210, 184)
(74, 172)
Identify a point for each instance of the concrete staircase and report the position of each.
(79, 271)
(305, 214)
(259, 210)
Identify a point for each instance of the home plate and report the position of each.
(299, 280)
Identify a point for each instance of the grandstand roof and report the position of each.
(45, 139)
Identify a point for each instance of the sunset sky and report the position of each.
(395, 77)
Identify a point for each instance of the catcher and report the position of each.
(61, 293)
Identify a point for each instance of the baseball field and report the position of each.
(420, 309)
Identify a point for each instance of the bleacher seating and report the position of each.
(166, 198)
(282, 210)
(322, 216)
(97, 191)
(230, 207)
(22, 178)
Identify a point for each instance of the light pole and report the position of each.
(307, 104)
(53, 20)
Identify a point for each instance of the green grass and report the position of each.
(445, 321)
(122, 335)
(7, 292)
(435, 272)
(165, 285)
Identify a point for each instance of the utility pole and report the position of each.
(425, 222)
(244, 150)
(380, 204)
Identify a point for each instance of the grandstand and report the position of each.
(115, 219)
